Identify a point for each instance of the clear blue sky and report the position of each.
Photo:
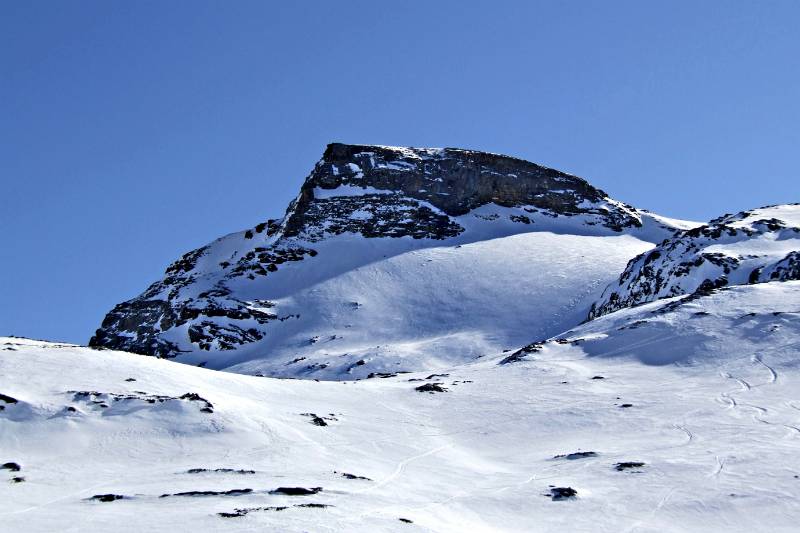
(131, 132)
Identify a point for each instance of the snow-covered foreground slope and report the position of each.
(703, 390)
(392, 259)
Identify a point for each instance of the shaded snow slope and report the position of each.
(749, 247)
(679, 415)
(392, 259)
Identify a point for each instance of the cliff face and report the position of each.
(374, 200)
(395, 192)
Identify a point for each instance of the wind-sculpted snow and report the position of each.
(749, 247)
(400, 258)
(680, 415)
(691, 329)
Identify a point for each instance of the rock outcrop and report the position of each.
(754, 246)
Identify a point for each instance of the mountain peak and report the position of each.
(432, 224)
(381, 185)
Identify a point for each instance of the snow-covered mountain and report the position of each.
(680, 415)
(673, 408)
(753, 246)
(392, 259)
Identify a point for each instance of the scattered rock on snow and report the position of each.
(241, 512)
(7, 399)
(296, 491)
(562, 493)
(320, 420)
(107, 497)
(351, 476)
(575, 455)
(232, 492)
(431, 388)
(381, 375)
(102, 398)
(220, 470)
(628, 465)
(520, 354)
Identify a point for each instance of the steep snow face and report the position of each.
(392, 259)
(702, 436)
(749, 247)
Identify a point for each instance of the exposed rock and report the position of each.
(232, 492)
(242, 512)
(628, 465)
(107, 497)
(296, 491)
(454, 181)
(7, 399)
(381, 375)
(219, 470)
(562, 493)
(707, 258)
(431, 388)
(576, 455)
(351, 476)
(319, 420)
(520, 354)
(103, 399)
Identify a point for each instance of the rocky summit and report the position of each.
(385, 253)
(415, 192)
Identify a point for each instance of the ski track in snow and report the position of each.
(773, 375)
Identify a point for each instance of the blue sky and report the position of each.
(131, 132)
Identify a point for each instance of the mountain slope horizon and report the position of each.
(392, 259)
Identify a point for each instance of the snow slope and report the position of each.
(749, 247)
(710, 383)
(392, 259)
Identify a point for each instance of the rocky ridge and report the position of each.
(753, 246)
